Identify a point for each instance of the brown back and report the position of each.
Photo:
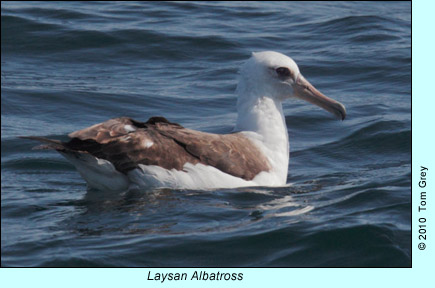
(172, 147)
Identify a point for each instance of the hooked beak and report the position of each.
(305, 91)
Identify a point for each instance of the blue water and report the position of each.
(65, 66)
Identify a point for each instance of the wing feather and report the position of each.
(127, 143)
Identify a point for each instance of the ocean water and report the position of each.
(66, 66)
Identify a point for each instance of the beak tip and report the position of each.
(341, 111)
(343, 116)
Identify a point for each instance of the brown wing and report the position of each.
(113, 128)
(127, 143)
(231, 153)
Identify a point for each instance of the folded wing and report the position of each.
(127, 143)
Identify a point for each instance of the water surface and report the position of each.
(69, 65)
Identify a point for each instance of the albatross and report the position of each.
(122, 153)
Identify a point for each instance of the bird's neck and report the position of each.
(264, 117)
(257, 112)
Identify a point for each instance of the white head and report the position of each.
(274, 75)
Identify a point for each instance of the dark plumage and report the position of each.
(126, 143)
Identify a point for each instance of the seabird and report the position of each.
(122, 153)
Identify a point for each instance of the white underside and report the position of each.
(102, 175)
(98, 173)
(197, 176)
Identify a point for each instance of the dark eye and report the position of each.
(283, 71)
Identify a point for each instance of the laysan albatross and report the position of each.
(122, 153)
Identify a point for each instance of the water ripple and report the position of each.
(67, 65)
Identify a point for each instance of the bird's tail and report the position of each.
(51, 143)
